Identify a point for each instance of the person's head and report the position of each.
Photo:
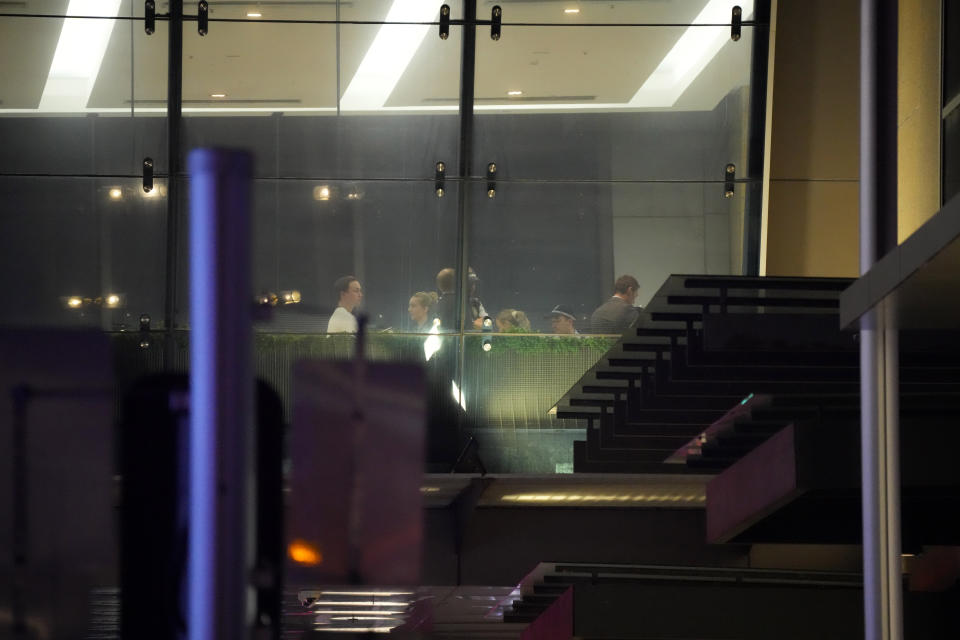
(626, 288)
(562, 319)
(349, 292)
(446, 280)
(512, 319)
(420, 304)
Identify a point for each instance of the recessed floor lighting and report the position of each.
(218, 95)
(515, 93)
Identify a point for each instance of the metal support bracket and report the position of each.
(444, 22)
(495, 22)
(149, 17)
(203, 16)
(729, 180)
(439, 179)
(492, 180)
(736, 20)
(147, 175)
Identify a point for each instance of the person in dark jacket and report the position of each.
(617, 314)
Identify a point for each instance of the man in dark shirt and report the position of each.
(617, 314)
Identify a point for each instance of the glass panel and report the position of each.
(617, 12)
(390, 82)
(394, 237)
(393, 107)
(56, 70)
(246, 77)
(510, 384)
(614, 102)
(537, 245)
(546, 255)
(82, 252)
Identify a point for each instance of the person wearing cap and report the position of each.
(617, 314)
(562, 320)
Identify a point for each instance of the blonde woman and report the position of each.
(420, 309)
(512, 320)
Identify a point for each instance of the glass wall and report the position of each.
(588, 141)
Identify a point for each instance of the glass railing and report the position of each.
(605, 139)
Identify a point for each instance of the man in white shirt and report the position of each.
(350, 293)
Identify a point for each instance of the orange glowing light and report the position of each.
(303, 552)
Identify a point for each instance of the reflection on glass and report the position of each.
(56, 68)
(392, 239)
(259, 67)
(616, 102)
(541, 246)
(81, 252)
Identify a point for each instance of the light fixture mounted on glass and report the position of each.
(271, 299)
(106, 301)
(321, 193)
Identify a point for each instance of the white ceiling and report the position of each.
(268, 67)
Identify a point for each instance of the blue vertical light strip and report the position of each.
(221, 390)
(201, 573)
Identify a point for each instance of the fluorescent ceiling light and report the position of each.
(218, 95)
(388, 56)
(254, 14)
(689, 56)
(571, 10)
(515, 93)
(79, 53)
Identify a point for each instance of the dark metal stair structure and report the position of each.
(748, 384)
(702, 345)
(644, 601)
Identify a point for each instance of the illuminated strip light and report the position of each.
(370, 593)
(79, 54)
(356, 629)
(641, 497)
(342, 612)
(389, 55)
(357, 603)
(693, 51)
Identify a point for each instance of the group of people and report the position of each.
(438, 309)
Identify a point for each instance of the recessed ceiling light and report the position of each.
(571, 10)
(515, 93)
(218, 95)
(254, 14)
